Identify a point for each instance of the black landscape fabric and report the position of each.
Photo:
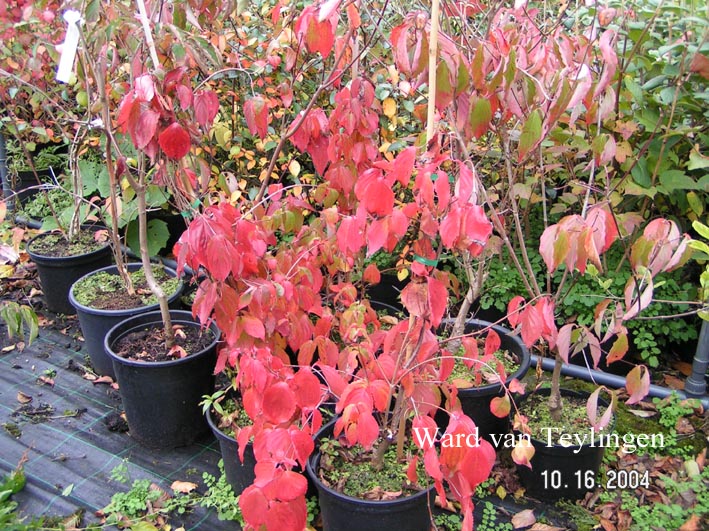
(71, 434)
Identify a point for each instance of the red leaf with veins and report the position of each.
(414, 297)
(185, 96)
(144, 128)
(175, 141)
(278, 403)
(256, 114)
(319, 36)
(206, 107)
(438, 299)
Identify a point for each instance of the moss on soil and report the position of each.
(350, 471)
(465, 377)
(99, 290)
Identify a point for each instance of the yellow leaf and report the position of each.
(402, 274)
(389, 107)
(3, 210)
(6, 270)
(501, 492)
(294, 168)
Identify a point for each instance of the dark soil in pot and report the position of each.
(475, 399)
(162, 398)
(60, 263)
(96, 322)
(385, 510)
(563, 466)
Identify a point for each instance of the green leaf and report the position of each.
(677, 180)
(67, 490)
(635, 90)
(640, 173)
(531, 133)
(158, 234)
(695, 203)
(697, 161)
(701, 229)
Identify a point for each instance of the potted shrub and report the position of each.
(512, 107)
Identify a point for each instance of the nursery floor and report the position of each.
(63, 427)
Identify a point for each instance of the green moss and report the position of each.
(350, 471)
(94, 287)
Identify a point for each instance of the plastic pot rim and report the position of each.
(178, 316)
(128, 312)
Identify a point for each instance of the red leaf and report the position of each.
(307, 388)
(513, 312)
(415, 300)
(206, 107)
(278, 403)
(185, 96)
(145, 127)
(175, 141)
(411, 473)
(256, 114)
(254, 506)
(253, 327)
(376, 196)
(637, 383)
(319, 36)
(371, 274)
(492, 343)
(438, 299)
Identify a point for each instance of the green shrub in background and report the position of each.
(651, 334)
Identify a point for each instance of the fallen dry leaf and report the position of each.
(692, 524)
(23, 398)
(673, 382)
(8, 348)
(183, 487)
(523, 519)
(103, 380)
(642, 413)
(545, 527)
(89, 376)
(683, 367)
(46, 380)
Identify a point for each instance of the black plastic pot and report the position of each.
(345, 513)
(26, 184)
(475, 401)
(57, 274)
(239, 475)
(388, 291)
(96, 323)
(562, 471)
(161, 399)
